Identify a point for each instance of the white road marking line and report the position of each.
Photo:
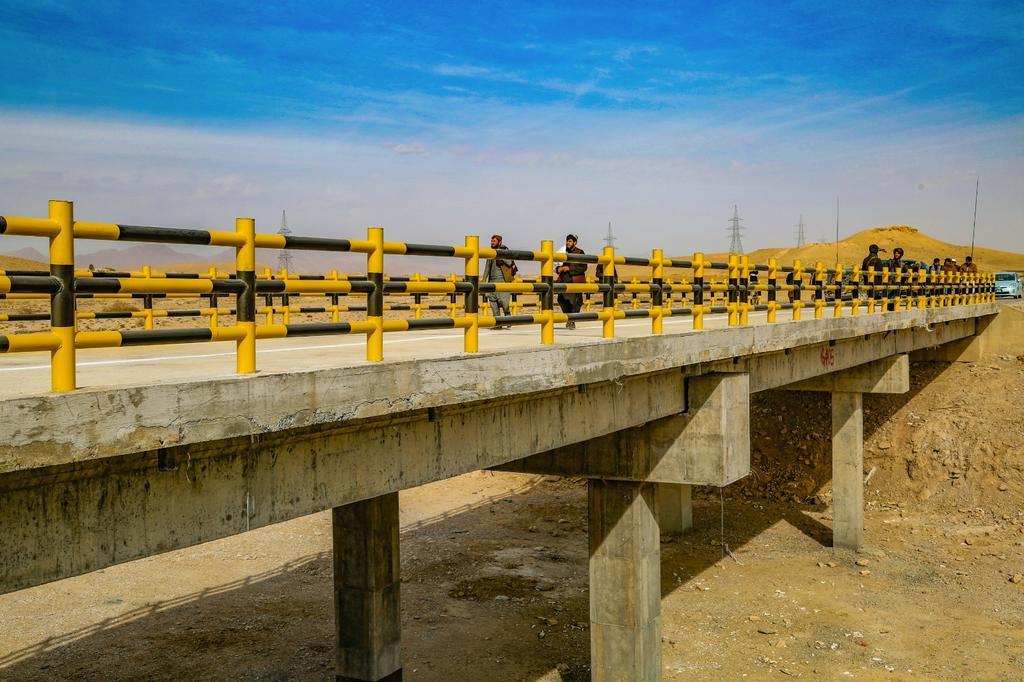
(295, 349)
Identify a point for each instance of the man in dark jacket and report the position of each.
(571, 273)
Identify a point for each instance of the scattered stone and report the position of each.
(768, 631)
(862, 562)
(1003, 487)
(753, 618)
(1017, 578)
(865, 573)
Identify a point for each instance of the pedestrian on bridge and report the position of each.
(499, 270)
(571, 273)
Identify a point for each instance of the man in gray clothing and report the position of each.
(499, 270)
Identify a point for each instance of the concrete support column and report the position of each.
(847, 470)
(625, 582)
(366, 591)
(675, 509)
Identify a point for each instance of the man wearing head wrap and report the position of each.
(499, 270)
(873, 261)
(569, 273)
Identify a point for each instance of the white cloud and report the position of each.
(410, 148)
(665, 181)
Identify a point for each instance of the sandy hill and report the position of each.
(918, 246)
(16, 263)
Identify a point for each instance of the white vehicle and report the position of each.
(1008, 285)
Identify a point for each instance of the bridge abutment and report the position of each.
(367, 583)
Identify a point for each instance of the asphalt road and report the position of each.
(24, 374)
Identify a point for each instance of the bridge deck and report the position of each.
(162, 403)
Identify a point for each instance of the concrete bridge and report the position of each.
(119, 471)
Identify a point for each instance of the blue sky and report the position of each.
(438, 119)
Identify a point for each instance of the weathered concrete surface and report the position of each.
(367, 584)
(847, 470)
(65, 520)
(53, 429)
(675, 507)
(625, 582)
(889, 375)
(100, 476)
(709, 444)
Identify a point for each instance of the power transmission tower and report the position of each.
(801, 232)
(284, 256)
(736, 245)
(610, 239)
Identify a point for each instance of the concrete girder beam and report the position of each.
(890, 375)
(709, 444)
(774, 370)
(66, 520)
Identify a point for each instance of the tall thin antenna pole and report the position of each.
(837, 229)
(801, 232)
(974, 226)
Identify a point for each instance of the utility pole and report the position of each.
(736, 244)
(284, 256)
(610, 239)
(974, 225)
(801, 232)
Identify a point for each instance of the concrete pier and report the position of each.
(366, 591)
(625, 582)
(675, 508)
(847, 470)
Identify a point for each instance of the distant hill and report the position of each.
(14, 263)
(132, 257)
(916, 244)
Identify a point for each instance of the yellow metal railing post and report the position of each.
(608, 260)
(62, 303)
(773, 283)
(547, 277)
(819, 289)
(798, 283)
(885, 289)
(856, 291)
(471, 334)
(375, 299)
(837, 303)
(245, 303)
(658, 295)
(744, 300)
(732, 294)
(698, 290)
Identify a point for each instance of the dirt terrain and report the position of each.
(495, 568)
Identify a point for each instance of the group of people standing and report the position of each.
(899, 264)
(504, 270)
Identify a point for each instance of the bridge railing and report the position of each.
(737, 293)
